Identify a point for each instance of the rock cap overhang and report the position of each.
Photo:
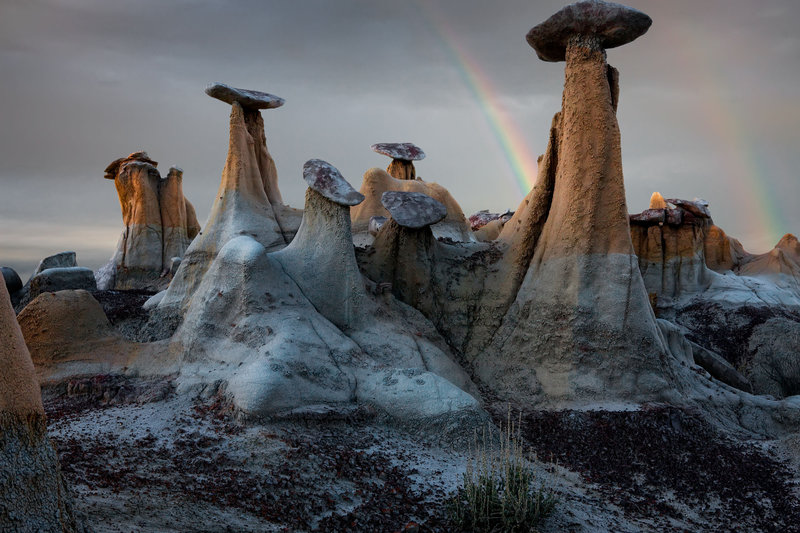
(614, 25)
(326, 179)
(413, 209)
(402, 151)
(247, 98)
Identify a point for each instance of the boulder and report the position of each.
(11, 279)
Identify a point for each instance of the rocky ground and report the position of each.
(138, 457)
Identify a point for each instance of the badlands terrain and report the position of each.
(327, 368)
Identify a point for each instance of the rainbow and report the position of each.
(521, 162)
(747, 169)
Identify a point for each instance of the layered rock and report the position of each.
(376, 182)
(159, 224)
(248, 201)
(33, 496)
(581, 326)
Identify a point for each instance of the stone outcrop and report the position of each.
(248, 201)
(298, 327)
(403, 156)
(581, 326)
(159, 224)
(33, 496)
(376, 182)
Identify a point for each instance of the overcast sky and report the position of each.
(709, 104)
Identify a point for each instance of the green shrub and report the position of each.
(499, 492)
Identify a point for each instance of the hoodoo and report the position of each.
(403, 156)
(581, 326)
(159, 224)
(248, 201)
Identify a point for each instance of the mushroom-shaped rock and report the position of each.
(413, 210)
(609, 24)
(403, 155)
(243, 206)
(580, 325)
(247, 98)
(252, 102)
(33, 496)
(377, 181)
(326, 180)
(321, 258)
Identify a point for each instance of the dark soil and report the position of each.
(727, 331)
(199, 467)
(123, 305)
(657, 461)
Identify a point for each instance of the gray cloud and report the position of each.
(708, 103)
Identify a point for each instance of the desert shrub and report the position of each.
(499, 493)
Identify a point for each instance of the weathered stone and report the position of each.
(697, 207)
(377, 181)
(324, 178)
(159, 224)
(375, 224)
(403, 155)
(610, 24)
(404, 151)
(657, 201)
(413, 210)
(33, 496)
(61, 279)
(247, 98)
(11, 279)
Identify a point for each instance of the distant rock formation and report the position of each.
(376, 182)
(57, 272)
(33, 496)
(403, 156)
(159, 224)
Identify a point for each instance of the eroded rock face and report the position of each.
(33, 496)
(159, 224)
(241, 207)
(581, 325)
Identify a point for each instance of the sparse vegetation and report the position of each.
(500, 493)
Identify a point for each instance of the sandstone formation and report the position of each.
(403, 156)
(295, 328)
(248, 201)
(11, 280)
(33, 496)
(581, 326)
(376, 182)
(159, 224)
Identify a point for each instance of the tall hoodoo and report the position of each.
(248, 201)
(581, 326)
